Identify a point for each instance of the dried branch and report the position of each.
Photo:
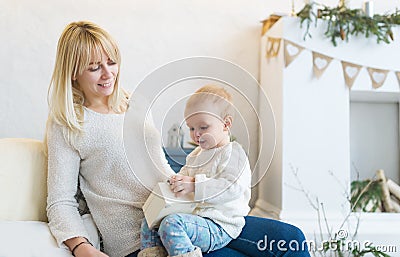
(322, 219)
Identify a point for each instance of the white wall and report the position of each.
(374, 139)
(150, 33)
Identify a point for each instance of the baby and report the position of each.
(217, 172)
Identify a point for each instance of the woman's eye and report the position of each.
(204, 128)
(191, 129)
(94, 68)
(111, 62)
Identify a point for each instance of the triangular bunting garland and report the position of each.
(291, 51)
(398, 76)
(320, 63)
(273, 46)
(350, 72)
(377, 76)
(268, 23)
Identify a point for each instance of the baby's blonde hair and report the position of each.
(77, 45)
(218, 97)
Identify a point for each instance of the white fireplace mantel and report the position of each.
(312, 127)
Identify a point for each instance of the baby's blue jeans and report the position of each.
(180, 233)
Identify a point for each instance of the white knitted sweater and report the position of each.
(112, 191)
(223, 180)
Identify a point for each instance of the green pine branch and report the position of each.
(366, 195)
(343, 23)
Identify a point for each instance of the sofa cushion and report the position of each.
(29, 239)
(23, 178)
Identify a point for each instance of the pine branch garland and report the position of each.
(343, 22)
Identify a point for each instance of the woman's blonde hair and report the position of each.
(77, 44)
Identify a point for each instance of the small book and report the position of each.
(162, 202)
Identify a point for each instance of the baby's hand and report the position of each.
(181, 185)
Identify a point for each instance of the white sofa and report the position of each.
(23, 222)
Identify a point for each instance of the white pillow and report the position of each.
(28, 239)
(23, 176)
(34, 239)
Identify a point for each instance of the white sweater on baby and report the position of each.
(114, 194)
(223, 180)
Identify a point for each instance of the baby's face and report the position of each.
(207, 130)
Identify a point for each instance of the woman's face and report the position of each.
(98, 79)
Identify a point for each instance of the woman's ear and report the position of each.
(228, 121)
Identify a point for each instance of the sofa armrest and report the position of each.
(23, 180)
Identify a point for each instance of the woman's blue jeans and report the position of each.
(266, 237)
(263, 237)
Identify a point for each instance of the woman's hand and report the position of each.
(181, 185)
(82, 248)
(87, 250)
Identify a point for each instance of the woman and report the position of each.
(85, 149)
